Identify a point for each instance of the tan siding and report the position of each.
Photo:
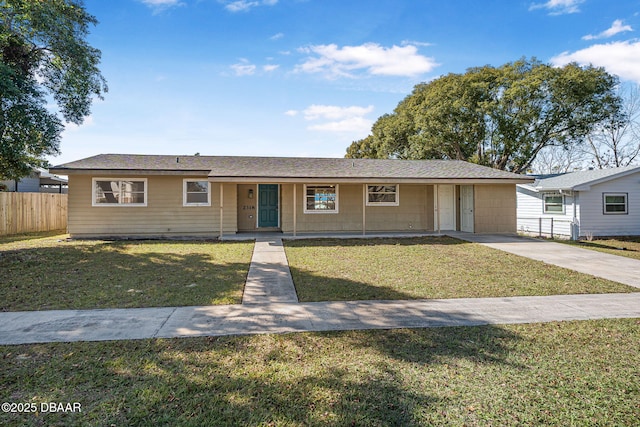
(415, 211)
(495, 208)
(247, 207)
(230, 205)
(164, 214)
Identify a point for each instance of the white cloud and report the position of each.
(244, 68)
(276, 36)
(415, 43)
(336, 119)
(615, 28)
(352, 124)
(621, 58)
(269, 68)
(334, 61)
(333, 112)
(558, 7)
(160, 5)
(246, 5)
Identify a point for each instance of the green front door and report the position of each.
(267, 205)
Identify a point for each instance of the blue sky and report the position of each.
(308, 77)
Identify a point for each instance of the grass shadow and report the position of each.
(32, 236)
(371, 378)
(87, 275)
(312, 287)
(568, 373)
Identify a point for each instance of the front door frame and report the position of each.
(277, 207)
(467, 217)
(439, 214)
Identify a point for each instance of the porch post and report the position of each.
(295, 208)
(436, 205)
(221, 210)
(364, 209)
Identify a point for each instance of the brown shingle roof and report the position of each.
(244, 168)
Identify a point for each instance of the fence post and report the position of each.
(552, 227)
(539, 226)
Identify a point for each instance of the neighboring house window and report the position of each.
(382, 195)
(196, 193)
(553, 203)
(321, 199)
(119, 192)
(615, 203)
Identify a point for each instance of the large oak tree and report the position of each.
(44, 60)
(497, 116)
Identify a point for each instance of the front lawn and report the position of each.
(555, 374)
(45, 273)
(428, 267)
(623, 246)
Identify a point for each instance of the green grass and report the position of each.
(430, 267)
(623, 246)
(560, 374)
(45, 273)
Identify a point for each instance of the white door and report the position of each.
(466, 206)
(446, 207)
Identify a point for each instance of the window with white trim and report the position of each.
(196, 193)
(321, 199)
(553, 203)
(382, 195)
(119, 192)
(615, 203)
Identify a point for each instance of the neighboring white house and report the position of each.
(602, 202)
(40, 181)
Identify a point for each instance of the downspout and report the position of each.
(575, 224)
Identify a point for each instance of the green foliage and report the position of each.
(500, 117)
(43, 54)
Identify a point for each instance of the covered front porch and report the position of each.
(295, 209)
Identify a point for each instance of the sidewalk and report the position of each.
(270, 304)
(139, 323)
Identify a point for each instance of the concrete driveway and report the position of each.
(612, 267)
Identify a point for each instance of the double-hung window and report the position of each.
(196, 193)
(119, 192)
(553, 203)
(615, 203)
(321, 199)
(382, 195)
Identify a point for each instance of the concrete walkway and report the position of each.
(612, 267)
(269, 279)
(270, 304)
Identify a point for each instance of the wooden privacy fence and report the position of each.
(31, 212)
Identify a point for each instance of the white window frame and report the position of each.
(185, 193)
(397, 193)
(321, 211)
(605, 204)
(126, 205)
(544, 204)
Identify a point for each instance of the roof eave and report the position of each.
(360, 180)
(114, 172)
